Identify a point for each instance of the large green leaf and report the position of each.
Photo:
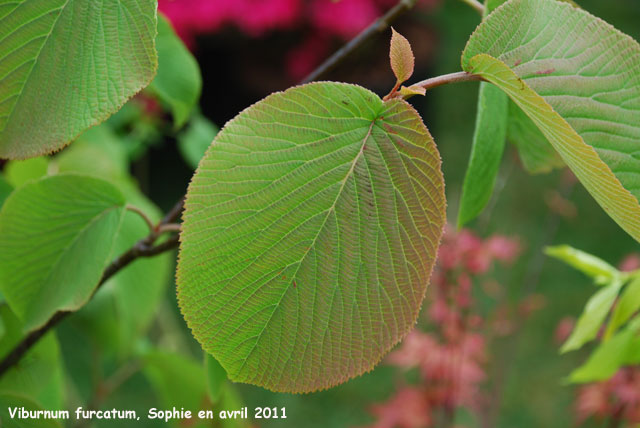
(56, 237)
(310, 230)
(576, 77)
(66, 65)
(178, 82)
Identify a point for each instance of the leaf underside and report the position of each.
(578, 79)
(310, 230)
(66, 65)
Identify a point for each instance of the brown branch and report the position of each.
(143, 248)
(434, 82)
(142, 215)
(378, 26)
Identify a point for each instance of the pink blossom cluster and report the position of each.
(452, 358)
(615, 399)
(320, 20)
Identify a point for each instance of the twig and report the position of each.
(143, 248)
(476, 5)
(171, 227)
(378, 26)
(142, 214)
(434, 82)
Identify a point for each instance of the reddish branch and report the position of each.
(460, 76)
(143, 248)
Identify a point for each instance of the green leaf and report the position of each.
(592, 317)
(536, 154)
(10, 401)
(231, 399)
(99, 153)
(595, 175)
(592, 266)
(178, 380)
(633, 353)
(196, 139)
(21, 171)
(487, 146)
(310, 230)
(127, 302)
(216, 378)
(56, 237)
(39, 374)
(178, 82)
(67, 65)
(5, 190)
(608, 357)
(486, 152)
(628, 304)
(578, 86)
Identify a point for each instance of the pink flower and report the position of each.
(630, 262)
(302, 59)
(407, 409)
(345, 18)
(258, 16)
(563, 329)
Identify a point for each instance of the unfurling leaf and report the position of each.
(599, 270)
(628, 304)
(66, 65)
(609, 356)
(401, 57)
(591, 319)
(572, 84)
(310, 230)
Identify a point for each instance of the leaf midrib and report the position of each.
(320, 229)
